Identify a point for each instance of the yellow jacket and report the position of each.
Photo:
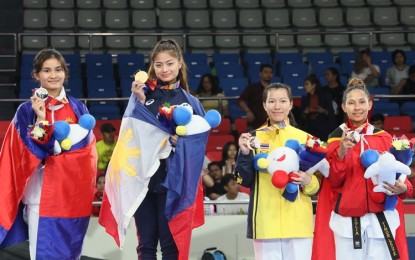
(271, 215)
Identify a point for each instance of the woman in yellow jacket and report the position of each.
(280, 229)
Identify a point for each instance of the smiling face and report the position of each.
(357, 106)
(51, 76)
(277, 105)
(166, 67)
(283, 158)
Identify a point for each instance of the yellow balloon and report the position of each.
(263, 163)
(181, 130)
(66, 144)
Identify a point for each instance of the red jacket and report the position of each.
(355, 195)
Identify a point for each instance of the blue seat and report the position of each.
(320, 57)
(26, 71)
(97, 88)
(234, 110)
(193, 84)
(195, 59)
(379, 57)
(346, 57)
(105, 112)
(229, 71)
(99, 60)
(410, 57)
(346, 69)
(27, 59)
(408, 108)
(26, 88)
(386, 109)
(295, 70)
(74, 87)
(73, 61)
(233, 86)
(320, 68)
(225, 58)
(297, 85)
(97, 72)
(135, 60)
(257, 58)
(197, 71)
(379, 91)
(289, 58)
(127, 72)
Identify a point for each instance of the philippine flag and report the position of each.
(142, 142)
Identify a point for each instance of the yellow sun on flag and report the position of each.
(120, 156)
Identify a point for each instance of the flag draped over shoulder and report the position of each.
(143, 141)
(67, 192)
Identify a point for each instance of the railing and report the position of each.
(18, 36)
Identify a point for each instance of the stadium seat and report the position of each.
(62, 19)
(102, 112)
(241, 125)
(247, 4)
(220, 4)
(379, 2)
(294, 71)
(320, 57)
(319, 69)
(385, 16)
(170, 19)
(408, 108)
(197, 19)
(250, 18)
(331, 17)
(35, 4)
(168, 4)
(89, 19)
(144, 19)
(35, 19)
(226, 58)
(299, 3)
(257, 58)
(359, 16)
(352, 3)
(226, 71)
(195, 59)
(277, 18)
(386, 109)
(398, 125)
(88, 4)
(223, 128)
(197, 71)
(289, 58)
(216, 142)
(224, 19)
(304, 18)
(114, 4)
(326, 3)
(213, 155)
(195, 4)
(233, 86)
(105, 88)
(62, 4)
(406, 16)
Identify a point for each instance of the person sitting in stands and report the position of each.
(232, 195)
(208, 87)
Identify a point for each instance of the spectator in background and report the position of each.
(106, 146)
(406, 87)
(377, 120)
(208, 87)
(335, 88)
(399, 70)
(99, 185)
(229, 155)
(232, 195)
(250, 100)
(317, 107)
(216, 189)
(365, 70)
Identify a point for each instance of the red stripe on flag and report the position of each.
(17, 165)
(182, 224)
(107, 220)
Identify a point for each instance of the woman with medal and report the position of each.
(52, 179)
(165, 86)
(347, 202)
(280, 228)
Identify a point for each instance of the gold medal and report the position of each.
(141, 76)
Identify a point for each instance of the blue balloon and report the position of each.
(291, 187)
(87, 121)
(61, 130)
(293, 144)
(369, 157)
(213, 118)
(181, 115)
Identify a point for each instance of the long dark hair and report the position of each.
(225, 150)
(289, 93)
(312, 78)
(171, 46)
(215, 87)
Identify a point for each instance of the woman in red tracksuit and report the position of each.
(359, 212)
